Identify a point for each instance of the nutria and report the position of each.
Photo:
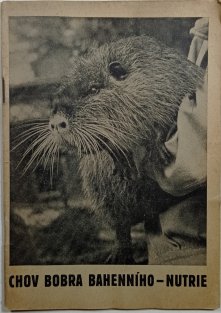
(119, 97)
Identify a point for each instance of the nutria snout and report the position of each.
(58, 123)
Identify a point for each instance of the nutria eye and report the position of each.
(94, 90)
(117, 71)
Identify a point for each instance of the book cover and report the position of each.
(111, 154)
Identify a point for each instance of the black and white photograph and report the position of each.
(111, 155)
(108, 140)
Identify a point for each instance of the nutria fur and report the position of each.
(119, 97)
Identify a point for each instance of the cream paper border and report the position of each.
(158, 296)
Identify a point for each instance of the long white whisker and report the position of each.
(34, 156)
(53, 152)
(39, 139)
(48, 154)
(111, 128)
(91, 139)
(30, 130)
(101, 141)
(81, 141)
(22, 125)
(58, 158)
(41, 132)
(42, 147)
(106, 135)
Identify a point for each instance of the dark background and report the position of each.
(52, 223)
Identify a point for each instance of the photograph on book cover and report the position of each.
(107, 154)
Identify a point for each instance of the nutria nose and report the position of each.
(58, 123)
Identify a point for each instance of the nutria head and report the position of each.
(120, 95)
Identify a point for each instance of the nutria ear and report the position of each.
(117, 71)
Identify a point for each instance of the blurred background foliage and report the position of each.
(43, 47)
(52, 223)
